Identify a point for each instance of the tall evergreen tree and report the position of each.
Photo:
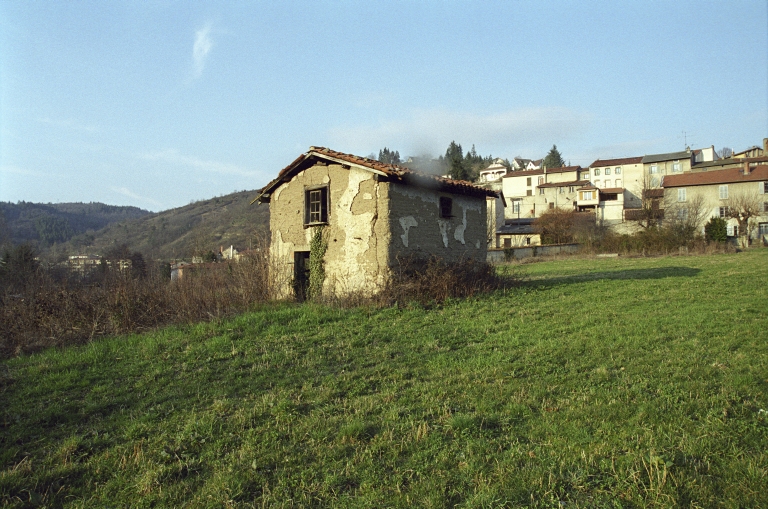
(457, 168)
(554, 159)
(389, 156)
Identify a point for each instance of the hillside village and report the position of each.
(623, 195)
(631, 193)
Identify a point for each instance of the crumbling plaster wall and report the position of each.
(418, 230)
(357, 230)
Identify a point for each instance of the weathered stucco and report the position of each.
(421, 232)
(357, 232)
(371, 223)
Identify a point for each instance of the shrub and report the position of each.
(18, 266)
(555, 226)
(434, 280)
(716, 229)
(47, 310)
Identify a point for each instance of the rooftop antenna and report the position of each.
(685, 140)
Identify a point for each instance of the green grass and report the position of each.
(598, 383)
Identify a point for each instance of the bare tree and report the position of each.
(651, 211)
(686, 218)
(555, 226)
(744, 206)
(490, 227)
(725, 152)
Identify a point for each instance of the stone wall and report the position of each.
(518, 253)
(419, 231)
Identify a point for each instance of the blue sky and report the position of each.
(156, 104)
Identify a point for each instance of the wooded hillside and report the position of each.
(58, 230)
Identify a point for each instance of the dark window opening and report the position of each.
(507, 242)
(316, 205)
(446, 206)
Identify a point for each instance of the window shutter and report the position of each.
(324, 205)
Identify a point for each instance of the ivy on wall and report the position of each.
(317, 248)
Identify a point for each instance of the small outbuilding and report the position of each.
(370, 215)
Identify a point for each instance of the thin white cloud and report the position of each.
(430, 131)
(171, 156)
(69, 124)
(16, 170)
(201, 49)
(124, 191)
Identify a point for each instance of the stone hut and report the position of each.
(371, 215)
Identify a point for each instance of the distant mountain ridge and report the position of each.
(178, 233)
(199, 227)
(47, 223)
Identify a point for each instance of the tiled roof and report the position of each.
(392, 172)
(727, 176)
(527, 173)
(612, 190)
(522, 226)
(672, 156)
(753, 147)
(731, 161)
(563, 184)
(616, 162)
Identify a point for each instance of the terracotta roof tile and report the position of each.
(657, 158)
(564, 169)
(393, 172)
(612, 190)
(616, 162)
(726, 176)
(563, 184)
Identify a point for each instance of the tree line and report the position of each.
(458, 164)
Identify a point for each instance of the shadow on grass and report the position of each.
(636, 274)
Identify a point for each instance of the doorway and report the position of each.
(300, 275)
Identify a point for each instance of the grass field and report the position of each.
(596, 383)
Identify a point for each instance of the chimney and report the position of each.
(745, 164)
(765, 146)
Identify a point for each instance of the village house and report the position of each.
(674, 163)
(529, 193)
(753, 151)
(83, 263)
(493, 173)
(372, 215)
(717, 191)
(517, 233)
